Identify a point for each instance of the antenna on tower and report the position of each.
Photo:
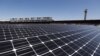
(85, 14)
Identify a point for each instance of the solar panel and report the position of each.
(49, 40)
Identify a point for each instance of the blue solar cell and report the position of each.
(40, 49)
(52, 37)
(59, 42)
(26, 52)
(84, 53)
(51, 45)
(20, 43)
(34, 40)
(5, 46)
(44, 38)
(10, 53)
(59, 52)
(68, 49)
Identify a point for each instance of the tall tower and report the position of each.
(85, 14)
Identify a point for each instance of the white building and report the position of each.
(32, 19)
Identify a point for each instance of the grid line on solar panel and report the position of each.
(31, 46)
(86, 43)
(14, 49)
(97, 52)
(47, 41)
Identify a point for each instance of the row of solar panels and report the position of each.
(54, 40)
(8, 32)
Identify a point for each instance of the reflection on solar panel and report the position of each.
(49, 40)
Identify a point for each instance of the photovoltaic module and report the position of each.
(49, 40)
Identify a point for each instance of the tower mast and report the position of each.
(85, 14)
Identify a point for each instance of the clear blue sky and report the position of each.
(58, 9)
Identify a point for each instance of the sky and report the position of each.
(58, 9)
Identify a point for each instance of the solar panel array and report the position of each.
(49, 40)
